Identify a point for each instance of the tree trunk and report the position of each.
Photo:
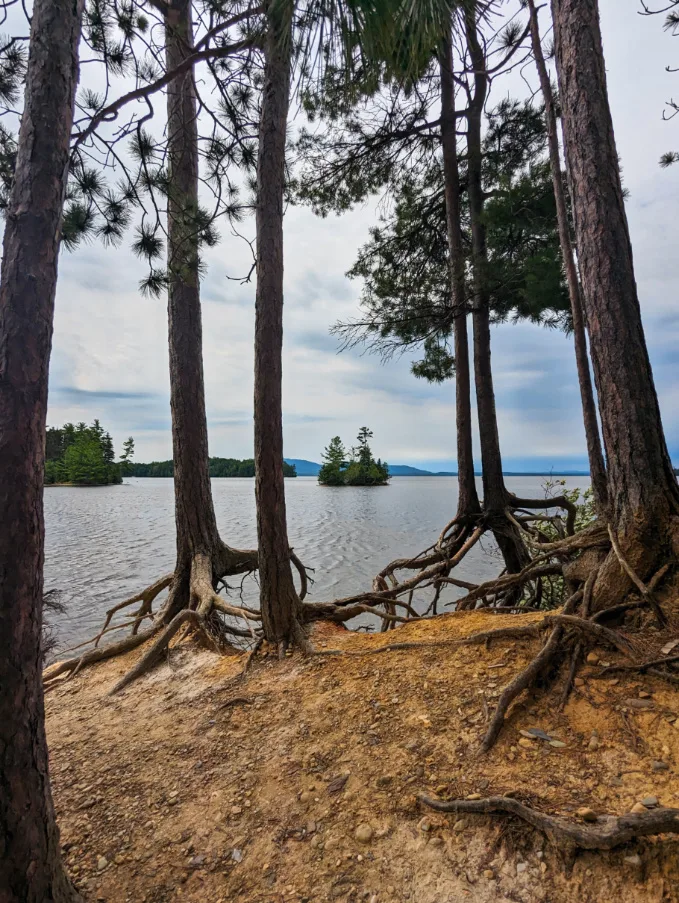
(597, 466)
(194, 511)
(495, 495)
(280, 603)
(468, 501)
(642, 487)
(196, 524)
(31, 870)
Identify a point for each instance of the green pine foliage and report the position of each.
(334, 464)
(404, 266)
(83, 456)
(360, 469)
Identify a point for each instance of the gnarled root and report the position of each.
(608, 832)
(192, 604)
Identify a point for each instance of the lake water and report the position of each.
(105, 544)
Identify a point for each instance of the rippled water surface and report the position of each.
(105, 544)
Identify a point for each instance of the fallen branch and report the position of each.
(608, 832)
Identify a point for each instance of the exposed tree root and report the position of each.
(636, 580)
(608, 832)
(192, 605)
(520, 683)
(100, 654)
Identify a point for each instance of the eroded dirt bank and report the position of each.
(299, 782)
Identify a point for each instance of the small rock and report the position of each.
(474, 796)
(102, 862)
(489, 874)
(660, 766)
(316, 841)
(521, 867)
(639, 703)
(650, 802)
(237, 855)
(526, 743)
(425, 824)
(385, 780)
(236, 810)
(363, 833)
(337, 784)
(579, 682)
(594, 742)
(557, 744)
(459, 825)
(436, 842)
(644, 694)
(634, 860)
(638, 809)
(593, 659)
(536, 732)
(311, 827)
(586, 814)
(197, 861)
(305, 797)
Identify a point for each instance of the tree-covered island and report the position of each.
(82, 455)
(358, 469)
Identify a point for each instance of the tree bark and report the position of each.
(31, 870)
(468, 501)
(280, 603)
(196, 523)
(642, 487)
(595, 454)
(495, 495)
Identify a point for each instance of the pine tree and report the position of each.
(335, 462)
(31, 867)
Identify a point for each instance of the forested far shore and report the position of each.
(219, 467)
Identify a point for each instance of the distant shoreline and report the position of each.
(508, 473)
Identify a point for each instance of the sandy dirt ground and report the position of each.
(299, 781)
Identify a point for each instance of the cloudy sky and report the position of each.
(110, 351)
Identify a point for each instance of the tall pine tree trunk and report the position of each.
(197, 533)
(468, 501)
(495, 495)
(597, 466)
(31, 870)
(642, 488)
(280, 603)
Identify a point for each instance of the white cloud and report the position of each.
(110, 354)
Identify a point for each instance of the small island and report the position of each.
(359, 469)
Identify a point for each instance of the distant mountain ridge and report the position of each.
(310, 469)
